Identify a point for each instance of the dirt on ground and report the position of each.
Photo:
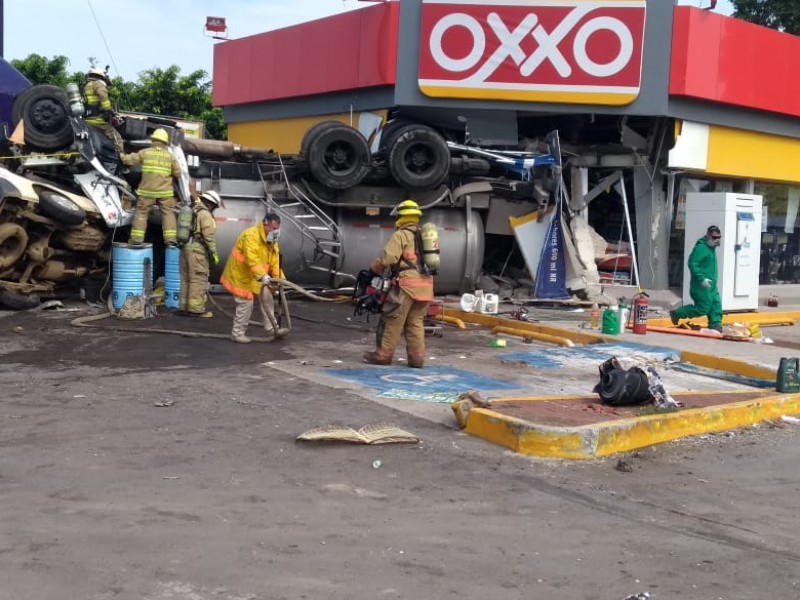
(152, 466)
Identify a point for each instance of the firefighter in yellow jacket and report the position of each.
(98, 106)
(198, 254)
(159, 172)
(254, 260)
(407, 302)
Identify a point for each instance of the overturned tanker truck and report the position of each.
(65, 197)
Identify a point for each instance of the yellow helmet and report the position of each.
(407, 208)
(160, 135)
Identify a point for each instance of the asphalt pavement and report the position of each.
(145, 465)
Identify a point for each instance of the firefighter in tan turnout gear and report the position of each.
(254, 260)
(407, 302)
(98, 106)
(160, 170)
(198, 254)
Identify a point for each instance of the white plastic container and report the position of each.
(624, 314)
(490, 304)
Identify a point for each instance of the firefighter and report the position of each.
(198, 254)
(98, 106)
(160, 170)
(411, 292)
(254, 260)
(703, 282)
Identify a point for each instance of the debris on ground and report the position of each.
(641, 596)
(624, 466)
(378, 433)
(788, 419)
(628, 382)
(465, 403)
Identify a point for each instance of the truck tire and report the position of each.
(13, 301)
(418, 157)
(313, 133)
(13, 241)
(44, 110)
(339, 157)
(60, 208)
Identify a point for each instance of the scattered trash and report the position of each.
(378, 433)
(337, 362)
(638, 384)
(640, 596)
(79, 396)
(164, 403)
(465, 403)
(788, 419)
(18, 329)
(170, 478)
(498, 343)
(624, 466)
(772, 300)
(376, 464)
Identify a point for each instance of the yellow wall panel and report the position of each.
(739, 153)
(284, 135)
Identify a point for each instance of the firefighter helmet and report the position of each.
(160, 135)
(99, 74)
(213, 199)
(407, 208)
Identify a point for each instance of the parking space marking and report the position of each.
(591, 355)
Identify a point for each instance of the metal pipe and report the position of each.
(542, 337)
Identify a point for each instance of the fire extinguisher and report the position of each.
(641, 302)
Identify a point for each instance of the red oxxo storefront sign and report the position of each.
(573, 51)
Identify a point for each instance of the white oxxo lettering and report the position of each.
(547, 49)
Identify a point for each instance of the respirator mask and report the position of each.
(273, 236)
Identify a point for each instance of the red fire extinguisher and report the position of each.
(641, 302)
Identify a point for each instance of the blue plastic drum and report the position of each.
(129, 266)
(172, 278)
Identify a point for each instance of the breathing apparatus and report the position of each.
(369, 293)
(426, 238)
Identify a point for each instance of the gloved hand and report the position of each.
(215, 259)
(706, 283)
(265, 279)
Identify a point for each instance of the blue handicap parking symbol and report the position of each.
(593, 354)
(435, 384)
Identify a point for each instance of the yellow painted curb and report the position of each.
(621, 435)
(736, 367)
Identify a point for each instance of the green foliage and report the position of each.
(783, 15)
(42, 70)
(158, 91)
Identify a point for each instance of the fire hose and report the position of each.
(88, 321)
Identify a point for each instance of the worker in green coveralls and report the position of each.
(703, 283)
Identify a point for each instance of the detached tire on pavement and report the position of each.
(13, 301)
(418, 157)
(44, 108)
(338, 156)
(60, 208)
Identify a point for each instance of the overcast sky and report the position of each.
(136, 35)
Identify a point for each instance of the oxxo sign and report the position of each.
(574, 51)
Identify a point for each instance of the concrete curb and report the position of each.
(621, 435)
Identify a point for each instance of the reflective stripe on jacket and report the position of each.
(159, 169)
(97, 101)
(400, 255)
(251, 258)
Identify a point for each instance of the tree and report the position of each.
(158, 91)
(783, 15)
(42, 70)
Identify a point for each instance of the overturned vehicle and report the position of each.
(65, 198)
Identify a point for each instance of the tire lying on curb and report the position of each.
(44, 108)
(338, 155)
(418, 157)
(60, 208)
(13, 241)
(13, 301)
